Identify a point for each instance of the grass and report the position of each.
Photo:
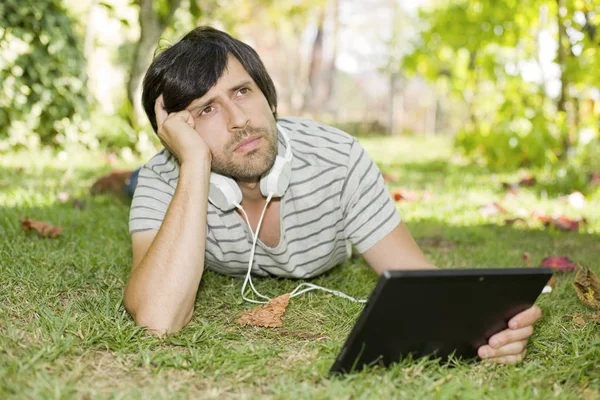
(64, 332)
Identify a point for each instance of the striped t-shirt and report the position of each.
(336, 194)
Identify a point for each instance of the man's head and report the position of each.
(226, 88)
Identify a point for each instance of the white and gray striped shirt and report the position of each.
(336, 194)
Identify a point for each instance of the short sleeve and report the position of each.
(368, 210)
(150, 202)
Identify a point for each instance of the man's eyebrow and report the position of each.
(210, 100)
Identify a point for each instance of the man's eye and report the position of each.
(243, 91)
(206, 110)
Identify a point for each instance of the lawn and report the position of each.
(64, 332)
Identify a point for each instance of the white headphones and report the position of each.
(225, 194)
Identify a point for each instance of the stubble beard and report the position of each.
(256, 162)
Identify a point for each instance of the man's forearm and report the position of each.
(161, 290)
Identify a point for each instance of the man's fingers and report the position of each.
(510, 335)
(510, 360)
(527, 317)
(159, 110)
(510, 349)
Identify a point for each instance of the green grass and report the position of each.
(64, 332)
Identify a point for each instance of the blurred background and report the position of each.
(512, 83)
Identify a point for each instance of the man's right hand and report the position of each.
(178, 134)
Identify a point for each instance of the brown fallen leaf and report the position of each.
(583, 319)
(113, 182)
(541, 216)
(562, 222)
(567, 224)
(528, 181)
(268, 315)
(561, 264)
(526, 256)
(551, 282)
(403, 194)
(578, 319)
(587, 287)
(43, 228)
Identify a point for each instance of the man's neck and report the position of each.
(251, 193)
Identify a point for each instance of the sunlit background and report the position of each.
(515, 83)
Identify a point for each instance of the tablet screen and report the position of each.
(437, 313)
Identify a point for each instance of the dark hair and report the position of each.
(189, 68)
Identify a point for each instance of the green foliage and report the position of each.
(362, 128)
(42, 69)
(475, 50)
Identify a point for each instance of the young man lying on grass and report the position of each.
(214, 107)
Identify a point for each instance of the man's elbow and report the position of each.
(155, 323)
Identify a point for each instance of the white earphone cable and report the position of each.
(311, 286)
(254, 240)
(296, 291)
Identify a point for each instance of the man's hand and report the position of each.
(177, 133)
(510, 345)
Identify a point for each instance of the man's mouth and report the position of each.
(247, 144)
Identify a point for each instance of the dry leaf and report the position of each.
(561, 264)
(578, 319)
(403, 194)
(562, 222)
(567, 224)
(43, 228)
(541, 216)
(526, 257)
(587, 287)
(113, 182)
(528, 181)
(551, 282)
(269, 315)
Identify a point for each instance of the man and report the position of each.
(213, 105)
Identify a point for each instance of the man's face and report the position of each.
(237, 124)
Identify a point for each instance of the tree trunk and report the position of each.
(88, 48)
(332, 74)
(391, 105)
(310, 95)
(562, 57)
(152, 26)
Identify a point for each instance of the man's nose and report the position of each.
(238, 119)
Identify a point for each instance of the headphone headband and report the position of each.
(288, 145)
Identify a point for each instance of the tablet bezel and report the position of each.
(527, 285)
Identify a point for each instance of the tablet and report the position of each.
(437, 313)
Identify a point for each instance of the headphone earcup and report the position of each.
(223, 192)
(277, 180)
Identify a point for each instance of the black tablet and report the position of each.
(437, 313)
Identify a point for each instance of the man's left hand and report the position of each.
(510, 345)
